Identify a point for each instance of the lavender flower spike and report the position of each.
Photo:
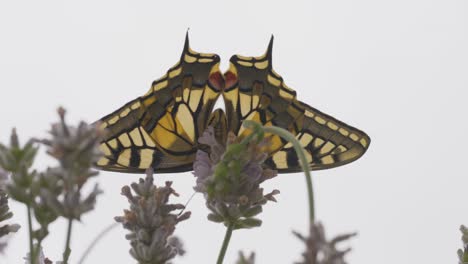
(151, 222)
(230, 176)
(321, 251)
(5, 210)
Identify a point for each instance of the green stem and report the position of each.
(38, 248)
(31, 246)
(310, 193)
(300, 153)
(304, 163)
(96, 240)
(227, 238)
(67, 250)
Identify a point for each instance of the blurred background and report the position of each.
(395, 69)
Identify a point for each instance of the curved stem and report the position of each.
(32, 255)
(304, 163)
(227, 238)
(310, 193)
(96, 240)
(67, 250)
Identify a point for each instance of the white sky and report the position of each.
(395, 69)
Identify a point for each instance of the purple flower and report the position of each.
(321, 251)
(5, 212)
(151, 222)
(76, 149)
(230, 176)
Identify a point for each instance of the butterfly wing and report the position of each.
(327, 142)
(160, 129)
(254, 91)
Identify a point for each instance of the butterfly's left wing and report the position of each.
(254, 91)
(160, 129)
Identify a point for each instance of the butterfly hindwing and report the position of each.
(126, 144)
(327, 142)
(160, 129)
(254, 91)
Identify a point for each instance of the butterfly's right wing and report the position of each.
(254, 91)
(328, 143)
(160, 129)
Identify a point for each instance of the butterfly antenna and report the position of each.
(188, 201)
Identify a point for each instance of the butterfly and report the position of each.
(160, 129)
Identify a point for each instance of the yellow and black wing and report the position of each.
(254, 91)
(160, 129)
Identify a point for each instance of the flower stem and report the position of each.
(31, 246)
(227, 238)
(304, 163)
(96, 240)
(67, 250)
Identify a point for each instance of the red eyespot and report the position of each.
(231, 79)
(216, 80)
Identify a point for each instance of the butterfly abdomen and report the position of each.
(218, 121)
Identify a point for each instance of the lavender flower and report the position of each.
(57, 191)
(151, 221)
(177, 243)
(76, 149)
(17, 160)
(230, 176)
(246, 260)
(321, 251)
(5, 213)
(463, 253)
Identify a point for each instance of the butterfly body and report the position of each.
(160, 129)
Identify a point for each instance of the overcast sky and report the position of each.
(395, 69)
